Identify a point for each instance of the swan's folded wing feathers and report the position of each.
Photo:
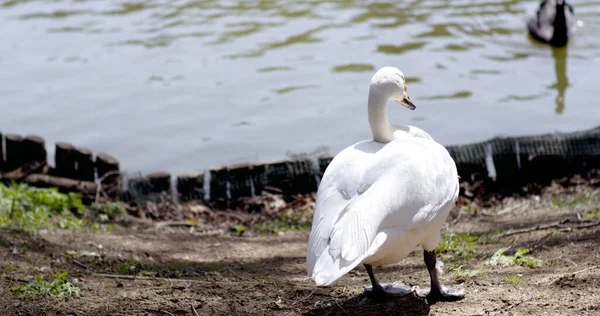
(352, 234)
(391, 200)
(357, 226)
(331, 201)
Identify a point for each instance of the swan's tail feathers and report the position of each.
(316, 246)
(328, 269)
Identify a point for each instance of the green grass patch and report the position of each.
(586, 197)
(593, 214)
(39, 287)
(290, 220)
(283, 224)
(461, 274)
(109, 211)
(513, 280)
(32, 209)
(460, 247)
(519, 258)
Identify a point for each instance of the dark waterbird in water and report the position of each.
(553, 23)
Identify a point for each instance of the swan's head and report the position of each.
(389, 82)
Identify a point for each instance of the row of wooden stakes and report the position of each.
(21, 153)
(508, 163)
(24, 158)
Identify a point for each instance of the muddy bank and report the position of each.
(148, 268)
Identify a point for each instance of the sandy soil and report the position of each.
(146, 270)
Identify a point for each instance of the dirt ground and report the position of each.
(165, 270)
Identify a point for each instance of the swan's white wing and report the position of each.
(369, 187)
(337, 189)
(401, 131)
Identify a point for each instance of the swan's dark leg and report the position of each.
(438, 292)
(376, 290)
(380, 291)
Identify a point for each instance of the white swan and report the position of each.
(380, 198)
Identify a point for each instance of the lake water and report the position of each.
(181, 85)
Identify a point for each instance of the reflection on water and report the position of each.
(562, 82)
(187, 84)
(456, 95)
(354, 68)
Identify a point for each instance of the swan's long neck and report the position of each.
(560, 35)
(378, 118)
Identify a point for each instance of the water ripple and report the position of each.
(240, 60)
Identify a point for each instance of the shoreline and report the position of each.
(496, 167)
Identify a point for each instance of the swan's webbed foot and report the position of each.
(438, 292)
(443, 294)
(385, 290)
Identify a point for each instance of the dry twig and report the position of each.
(559, 224)
(134, 277)
(302, 299)
(99, 183)
(194, 311)
(80, 264)
(586, 269)
(176, 224)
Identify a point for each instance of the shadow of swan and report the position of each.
(361, 305)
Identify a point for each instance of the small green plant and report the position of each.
(593, 214)
(276, 304)
(178, 266)
(583, 198)
(32, 209)
(461, 275)
(9, 267)
(124, 267)
(514, 280)
(460, 247)
(240, 229)
(112, 210)
(39, 287)
(520, 258)
(284, 223)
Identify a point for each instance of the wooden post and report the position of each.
(324, 163)
(106, 163)
(160, 181)
(242, 178)
(218, 183)
(139, 188)
(190, 186)
(15, 152)
(64, 158)
(292, 177)
(35, 149)
(150, 187)
(85, 164)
